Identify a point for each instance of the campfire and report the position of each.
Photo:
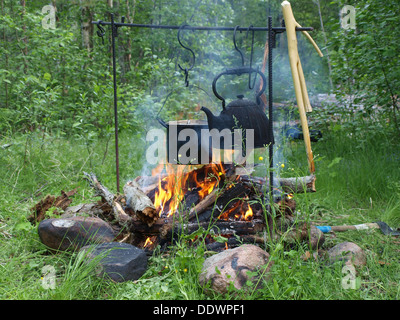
(179, 187)
(181, 190)
(210, 202)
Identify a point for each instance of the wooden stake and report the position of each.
(303, 101)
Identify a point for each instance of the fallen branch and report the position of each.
(62, 202)
(290, 185)
(118, 212)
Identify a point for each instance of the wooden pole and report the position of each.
(303, 101)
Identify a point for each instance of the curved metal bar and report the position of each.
(238, 71)
(187, 48)
(101, 32)
(251, 86)
(234, 43)
(201, 28)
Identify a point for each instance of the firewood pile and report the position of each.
(213, 200)
(210, 203)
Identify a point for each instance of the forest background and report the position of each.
(57, 120)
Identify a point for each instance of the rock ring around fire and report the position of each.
(73, 233)
(118, 261)
(233, 265)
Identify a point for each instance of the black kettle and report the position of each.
(242, 113)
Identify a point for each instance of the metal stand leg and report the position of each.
(113, 35)
(270, 113)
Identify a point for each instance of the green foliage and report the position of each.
(365, 60)
(54, 83)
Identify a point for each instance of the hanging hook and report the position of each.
(251, 86)
(101, 32)
(183, 46)
(252, 43)
(186, 77)
(234, 43)
(186, 70)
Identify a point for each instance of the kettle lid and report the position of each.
(241, 102)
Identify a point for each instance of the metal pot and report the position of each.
(186, 141)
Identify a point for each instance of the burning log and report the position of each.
(219, 227)
(140, 203)
(172, 191)
(210, 199)
(203, 205)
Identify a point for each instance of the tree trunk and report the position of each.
(5, 56)
(87, 26)
(326, 43)
(24, 38)
(130, 18)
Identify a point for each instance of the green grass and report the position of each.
(357, 181)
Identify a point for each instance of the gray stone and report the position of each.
(232, 265)
(348, 252)
(74, 232)
(119, 261)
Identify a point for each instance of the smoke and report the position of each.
(180, 94)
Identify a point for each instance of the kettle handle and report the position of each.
(239, 71)
(159, 119)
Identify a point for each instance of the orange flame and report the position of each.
(240, 214)
(172, 188)
(225, 215)
(147, 242)
(248, 214)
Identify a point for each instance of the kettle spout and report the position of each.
(210, 116)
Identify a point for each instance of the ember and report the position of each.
(240, 211)
(148, 242)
